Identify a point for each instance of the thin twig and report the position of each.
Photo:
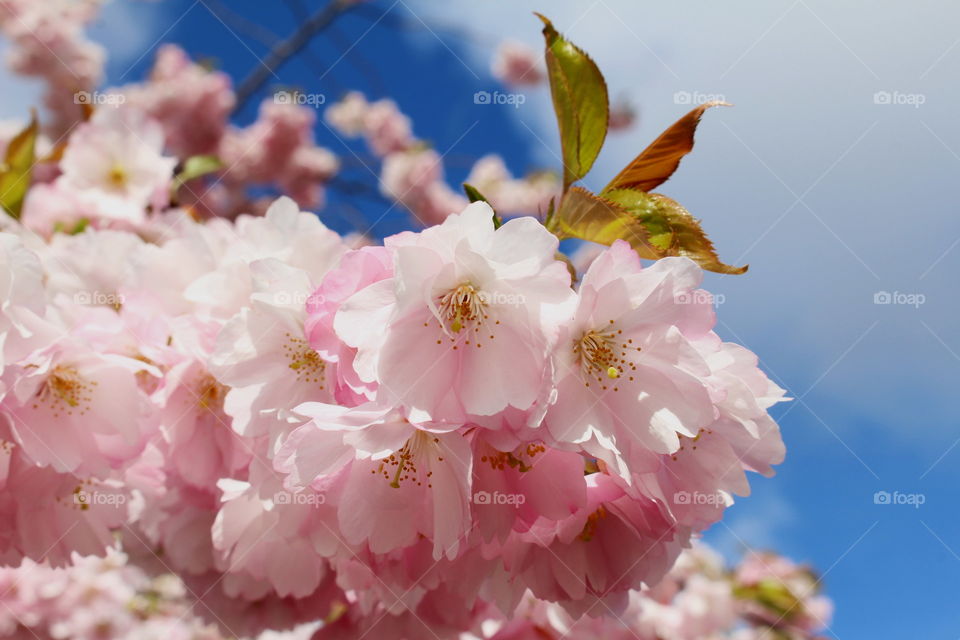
(242, 24)
(258, 32)
(360, 63)
(355, 188)
(289, 47)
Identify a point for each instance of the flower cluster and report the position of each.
(310, 427)
(454, 431)
(697, 600)
(96, 598)
(49, 43)
(112, 597)
(413, 174)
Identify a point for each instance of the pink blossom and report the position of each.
(357, 270)
(48, 42)
(463, 298)
(115, 165)
(49, 515)
(348, 114)
(203, 446)
(510, 196)
(267, 538)
(75, 408)
(401, 480)
(21, 288)
(381, 123)
(630, 383)
(516, 64)
(386, 129)
(622, 116)
(190, 102)
(415, 180)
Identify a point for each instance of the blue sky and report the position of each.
(830, 191)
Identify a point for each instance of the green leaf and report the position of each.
(474, 195)
(584, 215)
(773, 595)
(580, 100)
(17, 169)
(195, 167)
(671, 230)
(658, 161)
(78, 227)
(654, 225)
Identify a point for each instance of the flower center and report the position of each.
(462, 307)
(590, 526)
(65, 390)
(117, 177)
(604, 355)
(401, 466)
(303, 360)
(521, 459)
(210, 393)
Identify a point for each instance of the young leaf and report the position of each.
(195, 167)
(654, 225)
(671, 230)
(17, 169)
(78, 227)
(584, 215)
(658, 161)
(474, 195)
(580, 100)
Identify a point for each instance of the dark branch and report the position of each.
(289, 47)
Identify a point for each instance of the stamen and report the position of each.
(461, 307)
(521, 459)
(603, 356)
(409, 460)
(210, 393)
(117, 176)
(65, 390)
(306, 362)
(590, 526)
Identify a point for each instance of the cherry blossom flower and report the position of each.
(76, 409)
(463, 298)
(629, 381)
(115, 164)
(516, 64)
(401, 480)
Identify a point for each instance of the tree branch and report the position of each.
(289, 47)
